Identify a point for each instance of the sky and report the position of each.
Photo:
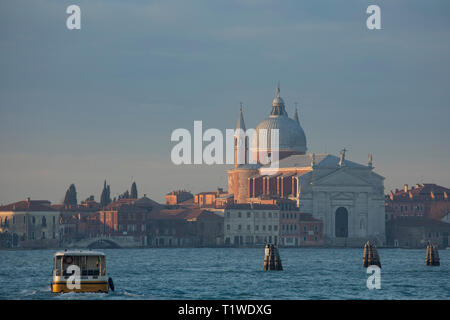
(82, 106)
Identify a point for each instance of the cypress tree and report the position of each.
(105, 197)
(71, 196)
(134, 193)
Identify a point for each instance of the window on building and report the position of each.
(44, 222)
(228, 214)
(315, 239)
(43, 235)
(228, 227)
(257, 227)
(270, 214)
(270, 228)
(304, 238)
(54, 235)
(264, 228)
(239, 214)
(248, 214)
(275, 228)
(54, 220)
(248, 227)
(282, 227)
(240, 227)
(316, 228)
(24, 219)
(304, 228)
(33, 220)
(14, 219)
(32, 235)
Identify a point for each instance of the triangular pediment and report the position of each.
(341, 177)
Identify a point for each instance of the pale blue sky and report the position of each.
(101, 102)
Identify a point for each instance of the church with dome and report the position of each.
(346, 196)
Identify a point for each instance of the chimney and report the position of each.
(405, 188)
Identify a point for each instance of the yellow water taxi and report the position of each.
(80, 271)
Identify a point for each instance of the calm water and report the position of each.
(229, 273)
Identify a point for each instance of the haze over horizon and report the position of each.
(82, 106)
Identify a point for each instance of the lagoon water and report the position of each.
(231, 273)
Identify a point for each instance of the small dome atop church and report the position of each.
(278, 101)
(291, 135)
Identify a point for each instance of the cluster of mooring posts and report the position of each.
(272, 259)
(371, 256)
(432, 255)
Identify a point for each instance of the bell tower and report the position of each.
(240, 142)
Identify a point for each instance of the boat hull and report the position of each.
(85, 286)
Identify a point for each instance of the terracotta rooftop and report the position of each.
(421, 191)
(28, 205)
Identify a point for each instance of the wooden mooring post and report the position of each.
(370, 255)
(432, 258)
(272, 260)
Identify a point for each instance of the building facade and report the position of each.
(416, 232)
(251, 224)
(423, 200)
(30, 224)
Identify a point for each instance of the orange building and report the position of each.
(177, 197)
(424, 200)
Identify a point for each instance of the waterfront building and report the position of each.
(296, 228)
(153, 225)
(251, 224)
(30, 224)
(127, 218)
(416, 232)
(427, 200)
(346, 196)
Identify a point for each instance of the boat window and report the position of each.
(66, 262)
(93, 265)
(89, 265)
(57, 266)
(103, 265)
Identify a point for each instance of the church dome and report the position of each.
(278, 101)
(292, 138)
